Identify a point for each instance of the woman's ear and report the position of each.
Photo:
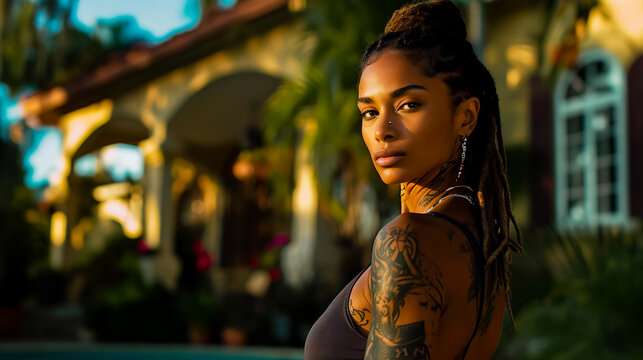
(467, 116)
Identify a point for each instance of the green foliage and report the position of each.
(51, 51)
(326, 92)
(592, 308)
(112, 274)
(198, 307)
(118, 305)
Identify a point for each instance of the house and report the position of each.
(568, 74)
(189, 106)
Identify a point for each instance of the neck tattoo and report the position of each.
(440, 182)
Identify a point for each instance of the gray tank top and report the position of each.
(335, 336)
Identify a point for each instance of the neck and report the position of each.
(420, 194)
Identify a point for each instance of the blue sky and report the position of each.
(158, 20)
(42, 155)
(122, 161)
(155, 21)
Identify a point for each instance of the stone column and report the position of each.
(298, 258)
(159, 221)
(214, 204)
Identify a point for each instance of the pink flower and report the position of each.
(203, 261)
(142, 246)
(277, 241)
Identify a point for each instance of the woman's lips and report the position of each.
(386, 158)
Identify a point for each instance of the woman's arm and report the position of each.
(407, 293)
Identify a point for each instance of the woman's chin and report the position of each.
(391, 176)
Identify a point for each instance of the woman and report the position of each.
(438, 282)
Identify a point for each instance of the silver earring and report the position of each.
(390, 122)
(464, 151)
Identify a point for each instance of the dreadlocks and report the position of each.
(433, 35)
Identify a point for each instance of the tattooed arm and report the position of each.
(407, 294)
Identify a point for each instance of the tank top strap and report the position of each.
(480, 273)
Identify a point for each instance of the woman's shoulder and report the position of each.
(416, 227)
(441, 240)
(430, 230)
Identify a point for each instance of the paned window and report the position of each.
(591, 143)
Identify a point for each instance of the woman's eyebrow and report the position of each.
(395, 94)
(366, 100)
(402, 91)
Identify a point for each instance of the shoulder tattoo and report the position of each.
(397, 272)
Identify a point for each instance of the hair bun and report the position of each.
(439, 17)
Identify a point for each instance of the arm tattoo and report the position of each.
(396, 272)
(359, 316)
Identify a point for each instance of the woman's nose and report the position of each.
(385, 128)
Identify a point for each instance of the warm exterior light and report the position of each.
(523, 60)
(58, 228)
(118, 209)
(522, 55)
(513, 78)
(152, 222)
(627, 14)
(243, 169)
(209, 189)
(305, 194)
(111, 191)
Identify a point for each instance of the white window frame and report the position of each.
(587, 104)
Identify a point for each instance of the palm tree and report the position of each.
(591, 310)
(39, 47)
(317, 110)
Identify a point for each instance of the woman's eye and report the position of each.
(368, 114)
(408, 106)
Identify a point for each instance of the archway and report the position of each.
(212, 128)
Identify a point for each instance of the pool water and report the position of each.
(39, 351)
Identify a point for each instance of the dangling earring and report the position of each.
(464, 151)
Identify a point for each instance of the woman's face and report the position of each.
(408, 123)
